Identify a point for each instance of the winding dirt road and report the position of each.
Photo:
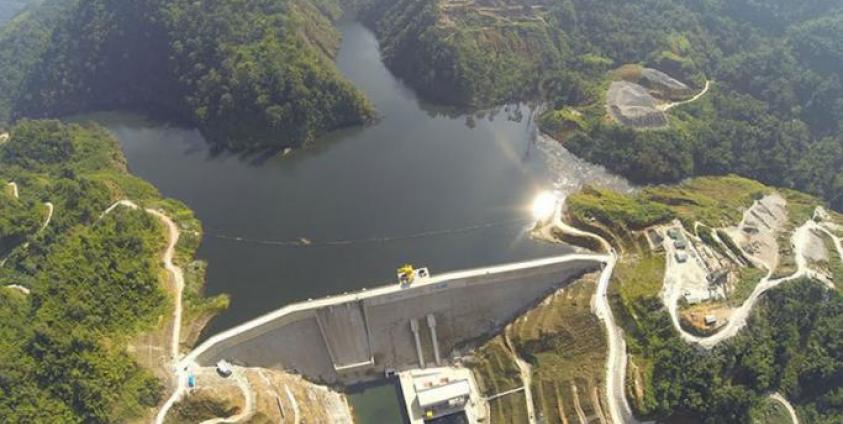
(248, 394)
(43, 227)
(47, 221)
(668, 106)
(178, 287)
(616, 362)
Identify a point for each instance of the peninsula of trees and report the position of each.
(82, 291)
(247, 73)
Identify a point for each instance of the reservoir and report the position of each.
(422, 185)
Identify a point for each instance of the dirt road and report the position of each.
(178, 287)
(248, 394)
(616, 362)
(668, 106)
(526, 377)
(779, 398)
(47, 221)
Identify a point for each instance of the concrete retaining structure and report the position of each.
(356, 337)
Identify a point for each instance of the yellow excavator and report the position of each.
(406, 274)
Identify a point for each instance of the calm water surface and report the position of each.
(445, 192)
(419, 186)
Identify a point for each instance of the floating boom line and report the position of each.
(303, 242)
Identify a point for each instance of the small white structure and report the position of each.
(446, 397)
(441, 392)
(710, 320)
(224, 368)
(694, 299)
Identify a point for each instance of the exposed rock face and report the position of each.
(632, 105)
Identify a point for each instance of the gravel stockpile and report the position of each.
(632, 105)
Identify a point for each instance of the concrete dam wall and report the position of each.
(356, 337)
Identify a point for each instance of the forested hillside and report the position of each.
(78, 286)
(774, 112)
(248, 73)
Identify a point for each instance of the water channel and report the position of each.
(423, 186)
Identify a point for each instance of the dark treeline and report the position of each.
(248, 73)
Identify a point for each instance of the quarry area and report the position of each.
(640, 97)
(713, 276)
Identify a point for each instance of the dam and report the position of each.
(359, 337)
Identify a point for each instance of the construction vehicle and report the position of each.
(407, 274)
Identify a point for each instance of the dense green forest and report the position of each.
(94, 280)
(247, 73)
(774, 113)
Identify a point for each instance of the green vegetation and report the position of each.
(248, 73)
(566, 346)
(748, 279)
(18, 218)
(835, 262)
(608, 206)
(196, 409)
(770, 412)
(95, 281)
(713, 201)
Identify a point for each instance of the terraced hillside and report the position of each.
(566, 346)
